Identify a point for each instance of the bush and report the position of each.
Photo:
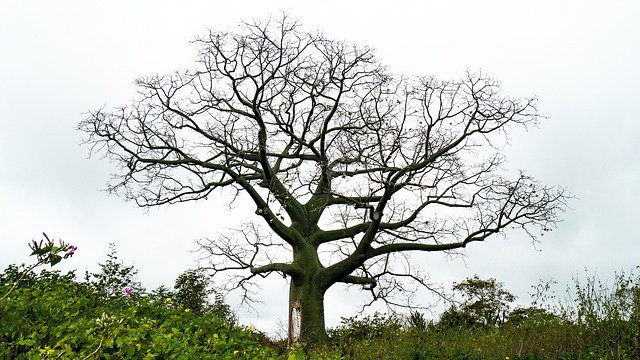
(114, 277)
(456, 318)
(485, 302)
(49, 315)
(531, 316)
(416, 320)
(367, 327)
(57, 317)
(192, 290)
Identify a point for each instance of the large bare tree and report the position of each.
(349, 167)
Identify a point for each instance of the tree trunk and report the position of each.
(306, 312)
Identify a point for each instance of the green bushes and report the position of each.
(56, 317)
(49, 315)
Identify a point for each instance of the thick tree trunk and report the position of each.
(306, 312)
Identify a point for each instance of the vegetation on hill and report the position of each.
(108, 315)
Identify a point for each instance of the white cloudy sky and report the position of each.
(60, 59)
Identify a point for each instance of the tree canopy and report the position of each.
(348, 165)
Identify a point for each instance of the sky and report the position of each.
(59, 60)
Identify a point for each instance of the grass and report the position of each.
(592, 321)
(556, 340)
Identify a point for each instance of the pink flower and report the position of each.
(128, 291)
(71, 250)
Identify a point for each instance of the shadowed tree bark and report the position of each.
(349, 166)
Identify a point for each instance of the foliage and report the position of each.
(454, 317)
(56, 317)
(114, 277)
(594, 321)
(49, 252)
(539, 341)
(359, 334)
(192, 291)
(531, 315)
(222, 309)
(608, 315)
(416, 320)
(160, 294)
(484, 302)
(46, 253)
(367, 327)
(49, 315)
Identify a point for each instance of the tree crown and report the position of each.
(334, 150)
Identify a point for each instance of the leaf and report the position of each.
(54, 259)
(27, 342)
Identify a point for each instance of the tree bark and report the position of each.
(306, 312)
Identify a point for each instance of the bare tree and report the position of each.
(349, 166)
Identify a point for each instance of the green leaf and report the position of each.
(27, 342)
(54, 259)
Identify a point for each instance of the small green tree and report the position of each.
(485, 302)
(161, 294)
(416, 320)
(454, 317)
(115, 278)
(192, 291)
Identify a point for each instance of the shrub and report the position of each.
(114, 277)
(49, 315)
(416, 320)
(531, 316)
(56, 317)
(366, 327)
(486, 302)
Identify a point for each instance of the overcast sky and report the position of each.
(60, 59)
